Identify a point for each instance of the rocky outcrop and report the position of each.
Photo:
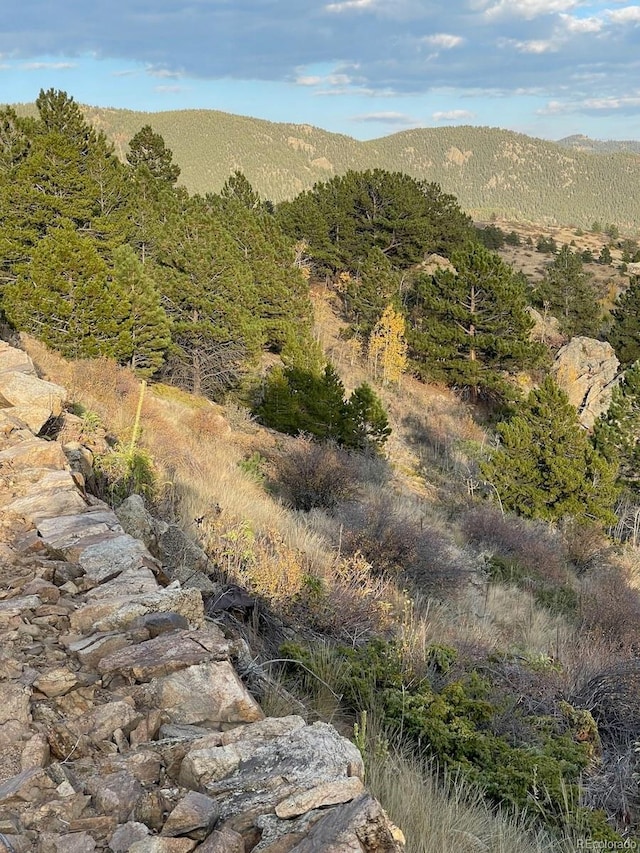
(546, 328)
(587, 372)
(124, 725)
(31, 399)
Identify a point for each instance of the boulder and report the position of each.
(206, 693)
(195, 816)
(32, 400)
(587, 371)
(359, 825)
(166, 653)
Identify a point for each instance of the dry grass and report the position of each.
(446, 814)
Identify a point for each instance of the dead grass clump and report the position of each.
(613, 787)
(585, 543)
(352, 603)
(312, 474)
(207, 424)
(613, 698)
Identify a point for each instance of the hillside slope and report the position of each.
(488, 169)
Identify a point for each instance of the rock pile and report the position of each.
(123, 723)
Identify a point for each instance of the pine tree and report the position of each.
(148, 330)
(365, 294)
(297, 401)
(616, 433)
(301, 401)
(624, 335)
(470, 327)
(387, 346)
(64, 297)
(238, 187)
(570, 295)
(147, 149)
(545, 465)
(344, 219)
(366, 424)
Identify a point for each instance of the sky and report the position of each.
(366, 68)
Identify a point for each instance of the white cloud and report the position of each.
(347, 5)
(452, 115)
(170, 90)
(443, 40)
(529, 9)
(47, 66)
(309, 80)
(602, 105)
(536, 46)
(572, 24)
(163, 73)
(389, 117)
(629, 15)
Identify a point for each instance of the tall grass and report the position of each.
(440, 812)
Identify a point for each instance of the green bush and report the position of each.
(299, 401)
(538, 773)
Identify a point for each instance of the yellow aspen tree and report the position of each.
(387, 347)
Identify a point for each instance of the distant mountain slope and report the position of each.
(488, 169)
(599, 146)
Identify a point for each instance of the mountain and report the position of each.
(489, 170)
(579, 142)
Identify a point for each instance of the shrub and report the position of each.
(394, 538)
(539, 478)
(125, 471)
(316, 475)
(454, 724)
(535, 547)
(298, 401)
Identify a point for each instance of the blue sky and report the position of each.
(367, 68)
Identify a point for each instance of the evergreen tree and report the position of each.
(14, 139)
(617, 432)
(302, 401)
(365, 294)
(344, 219)
(297, 401)
(281, 291)
(147, 149)
(545, 465)
(469, 327)
(148, 325)
(64, 297)
(367, 424)
(570, 295)
(238, 187)
(624, 335)
(60, 114)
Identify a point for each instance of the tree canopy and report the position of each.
(569, 293)
(103, 257)
(469, 328)
(344, 219)
(546, 467)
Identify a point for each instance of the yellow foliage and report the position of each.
(387, 347)
(265, 564)
(343, 281)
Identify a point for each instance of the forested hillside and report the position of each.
(353, 409)
(489, 170)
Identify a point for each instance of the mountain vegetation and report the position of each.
(337, 415)
(489, 170)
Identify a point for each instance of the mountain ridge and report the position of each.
(488, 169)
